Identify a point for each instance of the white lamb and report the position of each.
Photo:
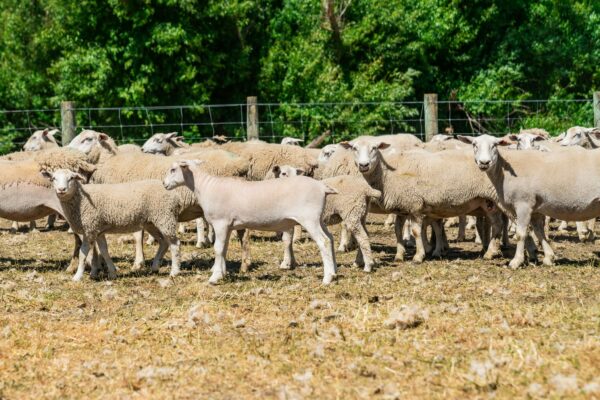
(270, 205)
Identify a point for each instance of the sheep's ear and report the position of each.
(78, 177)
(184, 164)
(503, 142)
(539, 137)
(276, 171)
(465, 139)
(513, 137)
(300, 171)
(46, 131)
(171, 135)
(383, 145)
(46, 174)
(103, 136)
(179, 139)
(345, 145)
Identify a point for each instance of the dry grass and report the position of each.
(474, 330)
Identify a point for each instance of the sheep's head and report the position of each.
(526, 141)
(41, 140)
(64, 181)
(366, 153)
(88, 140)
(291, 141)
(485, 148)
(285, 171)
(163, 143)
(326, 153)
(181, 174)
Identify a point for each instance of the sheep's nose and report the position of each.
(363, 165)
(484, 162)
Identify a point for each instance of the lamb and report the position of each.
(164, 143)
(271, 205)
(422, 184)
(350, 204)
(531, 184)
(291, 141)
(264, 156)
(96, 210)
(41, 140)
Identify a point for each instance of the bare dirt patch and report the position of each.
(474, 328)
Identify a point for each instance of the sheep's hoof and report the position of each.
(548, 261)
(286, 265)
(137, 266)
(399, 257)
(112, 276)
(215, 279)
(202, 244)
(77, 278)
(477, 241)
(327, 279)
(343, 248)
(72, 266)
(95, 276)
(368, 268)
(489, 255)
(436, 254)
(174, 273)
(514, 264)
(418, 259)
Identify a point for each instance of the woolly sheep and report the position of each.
(529, 185)
(96, 210)
(349, 205)
(129, 147)
(291, 141)
(97, 145)
(271, 205)
(422, 184)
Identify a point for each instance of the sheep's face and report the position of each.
(87, 140)
(41, 140)
(366, 153)
(326, 153)
(440, 138)
(527, 141)
(161, 143)
(285, 171)
(485, 148)
(574, 136)
(64, 181)
(181, 174)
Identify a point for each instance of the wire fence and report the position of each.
(303, 120)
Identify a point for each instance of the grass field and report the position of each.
(481, 330)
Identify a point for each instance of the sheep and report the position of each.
(129, 147)
(41, 140)
(96, 210)
(164, 143)
(400, 141)
(272, 205)
(422, 184)
(580, 136)
(350, 204)
(325, 153)
(291, 141)
(118, 169)
(97, 145)
(531, 184)
(25, 195)
(264, 156)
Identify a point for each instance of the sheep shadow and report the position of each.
(30, 264)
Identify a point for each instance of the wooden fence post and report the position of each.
(252, 118)
(431, 115)
(596, 103)
(67, 121)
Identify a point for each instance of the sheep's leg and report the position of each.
(390, 221)
(138, 236)
(50, 222)
(83, 254)
(289, 261)
(244, 237)
(427, 243)
(562, 228)
(417, 228)
(110, 266)
(319, 233)
(585, 230)
(202, 239)
(297, 233)
(33, 227)
(75, 257)
(363, 255)
(591, 225)
(462, 223)
(163, 246)
(496, 222)
(537, 222)
(505, 235)
(150, 240)
(174, 246)
(437, 228)
(346, 242)
(398, 228)
(211, 233)
(14, 228)
(182, 228)
(523, 219)
(222, 234)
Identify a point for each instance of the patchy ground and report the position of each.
(457, 328)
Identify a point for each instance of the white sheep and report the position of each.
(270, 205)
(41, 140)
(96, 210)
(291, 141)
(164, 143)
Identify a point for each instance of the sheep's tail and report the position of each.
(374, 193)
(329, 190)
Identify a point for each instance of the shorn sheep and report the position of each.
(95, 210)
(42, 140)
(270, 205)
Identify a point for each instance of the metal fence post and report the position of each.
(67, 121)
(252, 118)
(596, 109)
(431, 115)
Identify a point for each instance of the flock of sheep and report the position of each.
(516, 182)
